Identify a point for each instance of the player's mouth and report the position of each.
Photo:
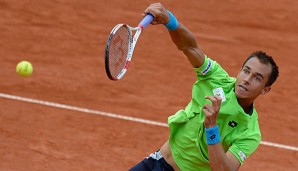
(242, 87)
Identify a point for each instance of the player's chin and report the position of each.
(241, 96)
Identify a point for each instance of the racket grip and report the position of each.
(146, 21)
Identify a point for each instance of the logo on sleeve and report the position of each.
(242, 155)
(207, 68)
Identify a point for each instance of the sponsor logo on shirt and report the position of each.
(207, 68)
(232, 124)
(219, 92)
(242, 155)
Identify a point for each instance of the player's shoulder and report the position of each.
(211, 69)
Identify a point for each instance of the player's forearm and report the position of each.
(186, 42)
(183, 38)
(218, 159)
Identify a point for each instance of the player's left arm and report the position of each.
(182, 37)
(219, 160)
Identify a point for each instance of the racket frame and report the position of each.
(131, 44)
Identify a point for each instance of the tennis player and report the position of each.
(219, 127)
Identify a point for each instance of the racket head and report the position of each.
(118, 51)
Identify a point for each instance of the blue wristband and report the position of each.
(173, 23)
(212, 135)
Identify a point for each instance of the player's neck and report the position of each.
(246, 104)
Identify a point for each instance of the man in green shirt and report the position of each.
(219, 128)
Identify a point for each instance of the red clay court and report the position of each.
(69, 116)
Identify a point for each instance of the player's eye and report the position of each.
(258, 78)
(246, 71)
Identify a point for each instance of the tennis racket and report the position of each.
(120, 47)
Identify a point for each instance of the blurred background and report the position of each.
(65, 41)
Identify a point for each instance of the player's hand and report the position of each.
(211, 111)
(159, 12)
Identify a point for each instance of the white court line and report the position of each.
(62, 106)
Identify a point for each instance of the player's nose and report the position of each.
(247, 79)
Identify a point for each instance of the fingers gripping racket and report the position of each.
(120, 47)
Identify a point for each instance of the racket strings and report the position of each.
(119, 47)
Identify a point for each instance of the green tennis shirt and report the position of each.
(240, 133)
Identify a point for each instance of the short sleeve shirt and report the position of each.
(240, 133)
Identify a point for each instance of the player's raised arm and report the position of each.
(181, 36)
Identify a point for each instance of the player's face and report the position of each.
(252, 79)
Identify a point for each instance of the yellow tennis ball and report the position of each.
(24, 68)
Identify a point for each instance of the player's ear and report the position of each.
(266, 90)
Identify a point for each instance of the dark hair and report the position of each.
(265, 59)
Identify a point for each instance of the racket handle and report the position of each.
(146, 21)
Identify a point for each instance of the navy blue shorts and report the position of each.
(155, 162)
